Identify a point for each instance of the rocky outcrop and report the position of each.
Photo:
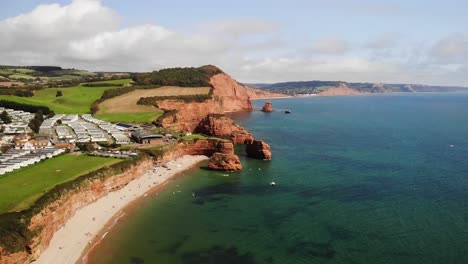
(224, 127)
(258, 149)
(343, 89)
(46, 219)
(268, 107)
(225, 162)
(221, 152)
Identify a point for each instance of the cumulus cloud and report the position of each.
(86, 34)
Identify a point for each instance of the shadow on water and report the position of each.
(172, 248)
(218, 254)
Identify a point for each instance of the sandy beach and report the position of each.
(69, 242)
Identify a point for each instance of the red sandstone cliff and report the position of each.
(48, 220)
(232, 95)
(224, 127)
(183, 116)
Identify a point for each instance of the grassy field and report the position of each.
(127, 103)
(75, 100)
(144, 117)
(21, 188)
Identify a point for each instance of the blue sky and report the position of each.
(255, 41)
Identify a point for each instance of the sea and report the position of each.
(359, 179)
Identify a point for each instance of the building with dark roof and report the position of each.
(147, 137)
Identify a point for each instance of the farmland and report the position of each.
(19, 189)
(75, 100)
(125, 108)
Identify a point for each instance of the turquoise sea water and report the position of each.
(360, 179)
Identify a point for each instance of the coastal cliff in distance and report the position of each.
(342, 89)
(347, 88)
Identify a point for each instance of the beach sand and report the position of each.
(83, 229)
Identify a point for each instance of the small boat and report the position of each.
(272, 183)
(287, 112)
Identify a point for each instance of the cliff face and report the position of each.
(222, 126)
(54, 215)
(233, 96)
(183, 116)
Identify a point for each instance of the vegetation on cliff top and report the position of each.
(184, 77)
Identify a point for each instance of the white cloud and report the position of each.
(86, 34)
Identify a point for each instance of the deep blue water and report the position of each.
(360, 179)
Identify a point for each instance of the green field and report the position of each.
(21, 188)
(146, 117)
(75, 100)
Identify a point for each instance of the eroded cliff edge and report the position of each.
(25, 235)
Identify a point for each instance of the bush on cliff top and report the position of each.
(184, 77)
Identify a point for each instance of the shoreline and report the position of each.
(84, 230)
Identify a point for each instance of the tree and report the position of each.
(59, 93)
(5, 117)
(36, 122)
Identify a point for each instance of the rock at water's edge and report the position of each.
(259, 150)
(225, 162)
(268, 107)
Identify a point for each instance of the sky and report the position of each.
(400, 41)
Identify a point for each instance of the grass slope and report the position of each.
(75, 100)
(21, 188)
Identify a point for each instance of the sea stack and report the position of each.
(225, 162)
(259, 149)
(268, 107)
